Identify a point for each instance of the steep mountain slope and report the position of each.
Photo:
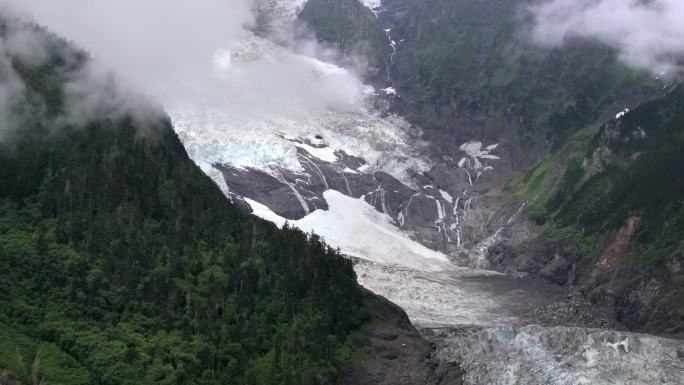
(351, 28)
(468, 73)
(613, 217)
(469, 68)
(122, 263)
(366, 179)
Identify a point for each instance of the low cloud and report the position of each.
(153, 45)
(88, 91)
(11, 92)
(201, 52)
(647, 34)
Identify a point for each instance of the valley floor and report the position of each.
(503, 330)
(497, 328)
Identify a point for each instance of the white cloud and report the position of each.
(152, 44)
(648, 34)
(168, 48)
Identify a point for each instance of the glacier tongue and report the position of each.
(434, 298)
(535, 355)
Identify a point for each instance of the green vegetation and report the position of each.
(122, 263)
(642, 179)
(530, 183)
(467, 59)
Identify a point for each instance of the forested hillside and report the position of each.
(122, 263)
(633, 170)
(611, 205)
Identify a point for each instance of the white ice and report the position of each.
(535, 355)
(361, 231)
(447, 197)
(372, 4)
(261, 94)
(622, 113)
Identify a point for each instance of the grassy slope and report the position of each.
(642, 178)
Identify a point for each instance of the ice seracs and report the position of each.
(267, 102)
(535, 355)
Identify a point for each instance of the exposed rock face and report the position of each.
(450, 208)
(620, 243)
(396, 354)
(351, 28)
(639, 299)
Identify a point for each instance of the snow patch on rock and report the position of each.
(389, 91)
(361, 231)
(622, 113)
(372, 4)
(447, 197)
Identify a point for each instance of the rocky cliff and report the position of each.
(610, 222)
(543, 164)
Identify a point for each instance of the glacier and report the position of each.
(263, 96)
(266, 107)
(358, 230)
(535, 355)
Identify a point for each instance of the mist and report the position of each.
(151, 44)
(198, 51)
(89, 92)
(647, 34)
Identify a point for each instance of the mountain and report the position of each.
(611, 219)
(539, 156)
(121, 262)
(466, 148)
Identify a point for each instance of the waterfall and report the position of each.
(299, 196)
